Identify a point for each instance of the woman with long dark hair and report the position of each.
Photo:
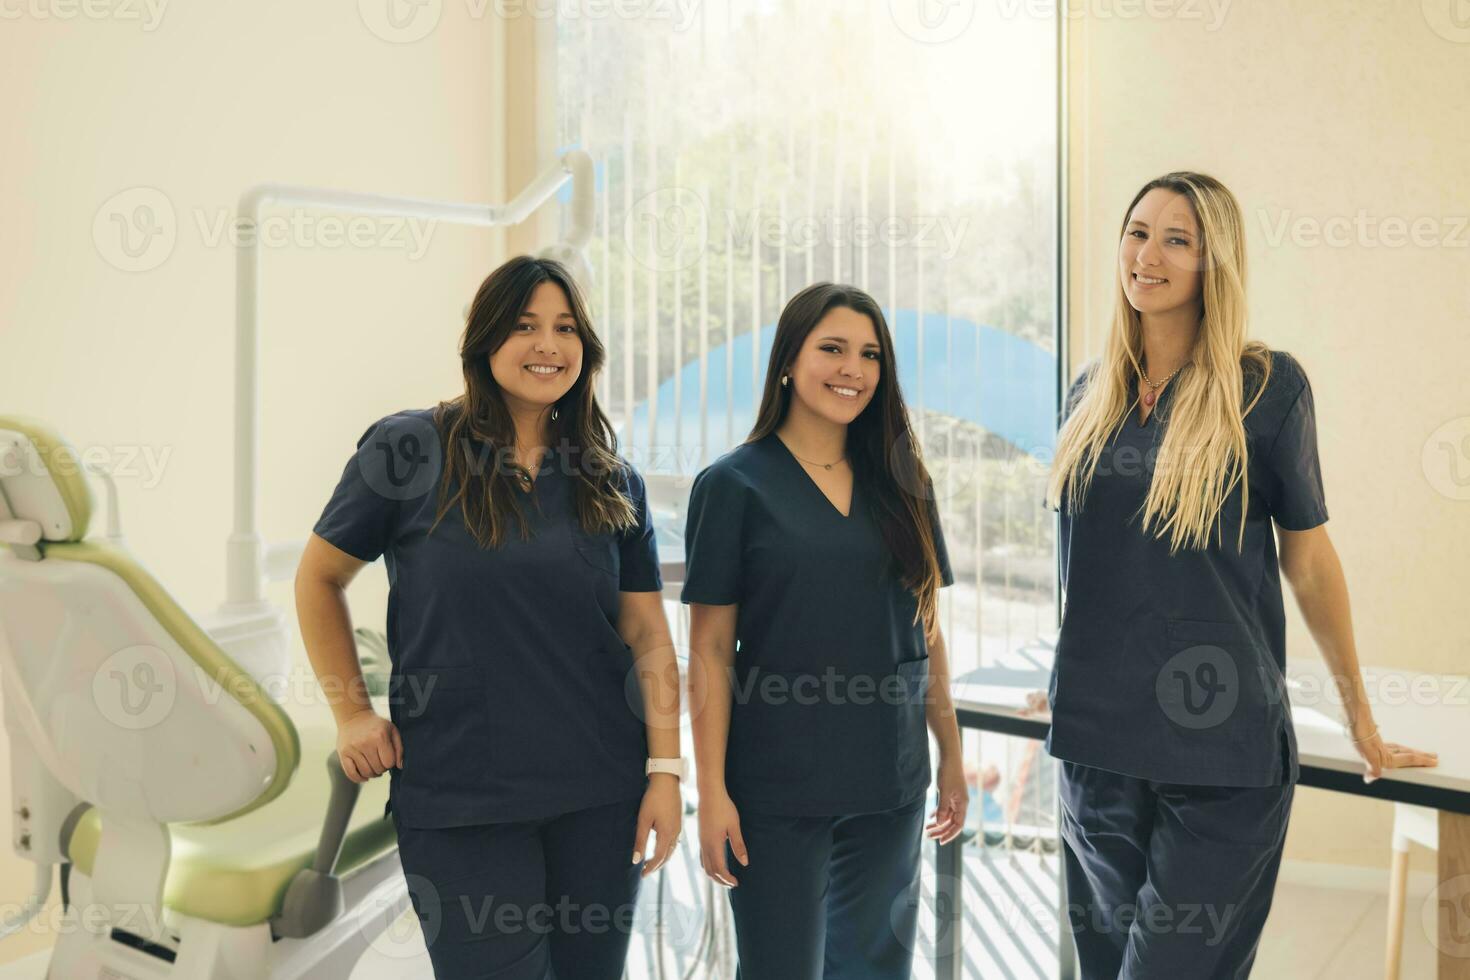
(524, 601)
(1180, 449)
(817, 667)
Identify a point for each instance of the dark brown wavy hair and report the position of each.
(887, 462)
(477, 428)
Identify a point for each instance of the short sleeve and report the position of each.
(637, 546)
(398, 458)
(713, 538)
(1294, 487)
(941, 550)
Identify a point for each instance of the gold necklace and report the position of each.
(1152, 396)
(812, 462)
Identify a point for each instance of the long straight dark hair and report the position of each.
(480, 426)
(887, 462)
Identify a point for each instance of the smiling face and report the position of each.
(1160, 256)
(838, 367)
(541, 358)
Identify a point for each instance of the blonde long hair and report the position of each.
(1203, 455)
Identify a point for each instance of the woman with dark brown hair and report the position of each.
(814, 559)
(524, 597)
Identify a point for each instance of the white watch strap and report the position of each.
(674, 766)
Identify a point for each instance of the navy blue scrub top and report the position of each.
(830, 672)
(508, 673)
(1171, 667)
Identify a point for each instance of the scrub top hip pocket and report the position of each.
(775, 724)
(911, 747)
(618, 704)
(1216, 695)
(440, 715)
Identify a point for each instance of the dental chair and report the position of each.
(158, 774)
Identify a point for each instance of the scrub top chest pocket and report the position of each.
(600, 550)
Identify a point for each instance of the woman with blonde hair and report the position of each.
(1179, 448)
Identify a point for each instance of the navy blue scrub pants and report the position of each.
(827, 897)
(1166, 880)
(548, 899)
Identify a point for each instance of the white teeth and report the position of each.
(542, 369)
(1147, 281)
(844, 392)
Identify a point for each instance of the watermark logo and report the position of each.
(400, 21)
(401, 459)
(135, 230)
(1445, 917)
(1446, 458)
(407, 21)
(670, 228)
(667, 229)
(1450, 19)
(932, 21)
(147, 12)
(1199, 687)
(136, 687)
(1363, 229)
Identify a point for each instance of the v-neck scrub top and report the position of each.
(1171, 667)
(830, 672)
(508, 673)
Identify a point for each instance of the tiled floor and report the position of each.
(1322, 932)
(1313, 933)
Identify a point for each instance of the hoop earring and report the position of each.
(553, 413)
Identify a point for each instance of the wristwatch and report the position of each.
(676, 766)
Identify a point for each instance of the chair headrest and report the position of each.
(41, 479)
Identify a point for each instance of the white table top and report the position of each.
(1423, 711)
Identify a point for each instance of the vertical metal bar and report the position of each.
(628, 263)
(676, 414)
(730, 306)
(919, 301)
(606, 276)
(892, 245)
(836, 224)
(782, 244)
(811, 198)
(863, 177)
(704, 454)
(1066, 951)
(982, 440)
(949, 904)
(651, 299)
(755, 291)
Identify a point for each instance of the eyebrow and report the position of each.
(1144, 224)
(843, 340)
(528, 313)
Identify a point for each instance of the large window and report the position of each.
(745, 149)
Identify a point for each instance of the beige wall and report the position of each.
(1312, 111)
(210, 100)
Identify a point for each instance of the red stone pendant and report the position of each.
(1149, 398)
